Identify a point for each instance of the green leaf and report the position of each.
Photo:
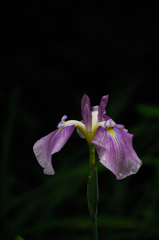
(19, 238)
(148, 110)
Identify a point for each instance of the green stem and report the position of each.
(95, 230)
(92, 191)
(91, 156)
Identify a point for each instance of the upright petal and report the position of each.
(86, 112)
(102, 106)
(50, 144)
(120, 157)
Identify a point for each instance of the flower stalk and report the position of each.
(112, 142)
(92, 191)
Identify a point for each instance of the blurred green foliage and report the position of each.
(149, 111)
(19, 238)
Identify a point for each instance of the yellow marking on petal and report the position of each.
(110, 130)
(82, 129)
(59, 130)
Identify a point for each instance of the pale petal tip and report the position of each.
(109, 123)
(49, 170)
(62, 121)
(120, 176)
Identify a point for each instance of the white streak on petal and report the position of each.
(94, 119)
(79, 133)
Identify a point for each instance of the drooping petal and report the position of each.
(120, 157)
(50, 144)
(42, 149)
(86, 112)
(102, 107)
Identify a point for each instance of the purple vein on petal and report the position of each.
(102, 106)
(120, 157)
(50, 144)
(86, 112)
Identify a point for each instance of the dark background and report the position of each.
(52, 53)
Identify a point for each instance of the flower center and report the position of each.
(95, 125)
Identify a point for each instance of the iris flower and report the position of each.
(111, 140)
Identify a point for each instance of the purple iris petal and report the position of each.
(106, 117)
(119, 155)
(122, 127)
(102, 107)
(50, 144)
(100, 142)
(86, 112)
